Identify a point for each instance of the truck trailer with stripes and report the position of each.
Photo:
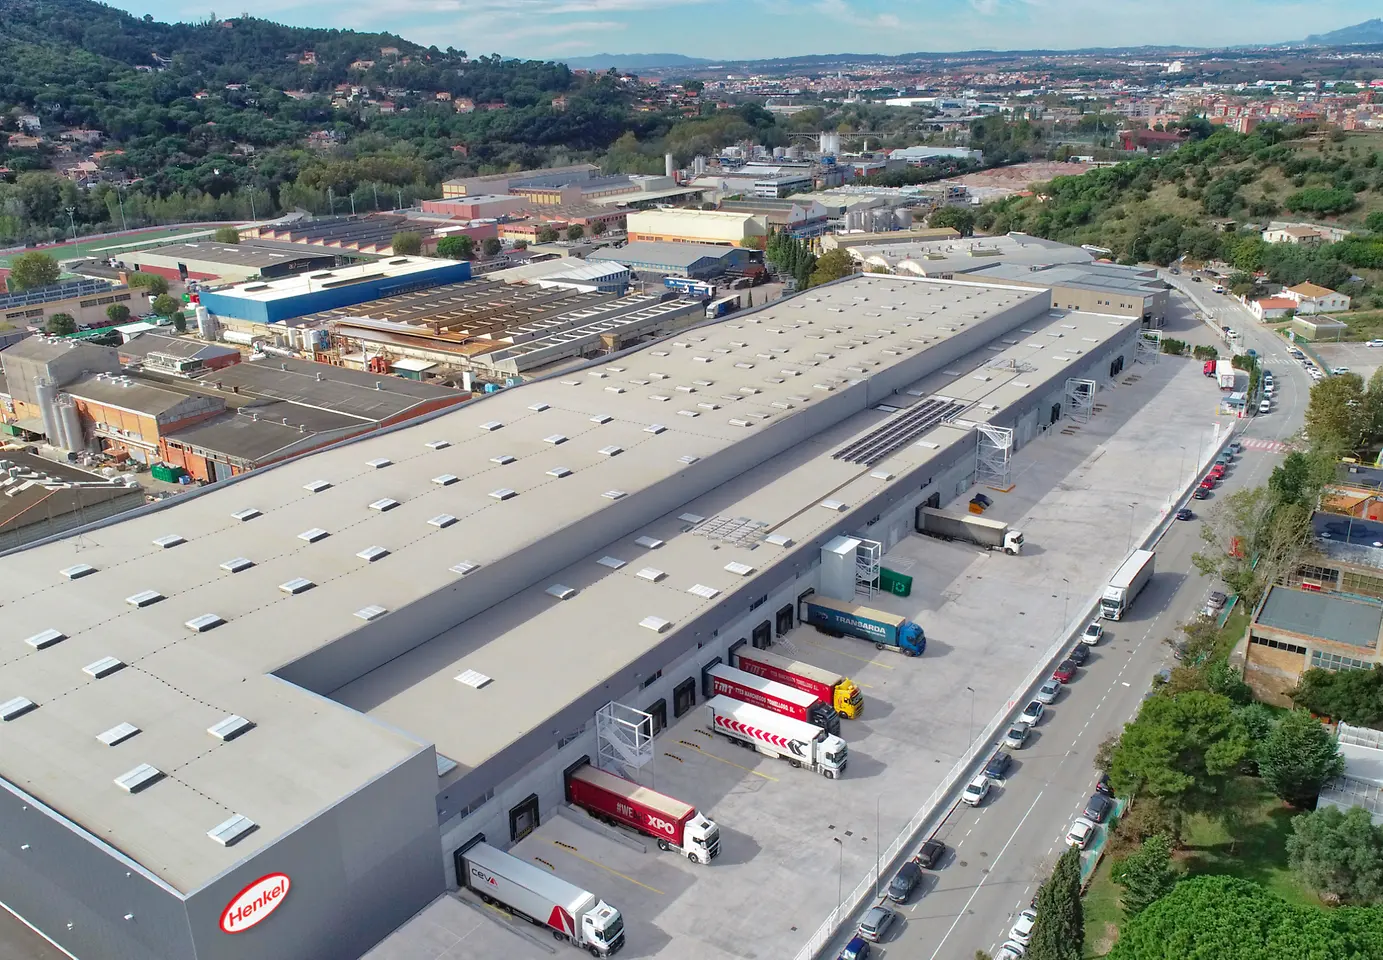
(799, 743)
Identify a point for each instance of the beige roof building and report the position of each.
(696, 226)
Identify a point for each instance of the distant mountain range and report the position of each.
(635, 61)
(1370, 31)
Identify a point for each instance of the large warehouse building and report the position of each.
(305, 689)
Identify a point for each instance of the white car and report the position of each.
(1022, 929)
(1374, 343)
(1010, 950)
(1265, 406)
(1082, 830)
(1033, 713)
(1339, 371)
(1094, 631)
(975, 791)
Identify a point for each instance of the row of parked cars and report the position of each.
(879, 919)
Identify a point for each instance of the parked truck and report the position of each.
(673, 824)
(771, 695)
(572, 914)
(1225, 374)
(799, 743)
(992, 534)
(829, 687)
(838, 617)
(723, 306)
(1128, 581)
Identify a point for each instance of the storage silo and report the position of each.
(70, 424)
(47, 394)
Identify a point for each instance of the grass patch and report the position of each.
(1233, 631)
(1103, 914)
(1365, 325)
(1258, 851)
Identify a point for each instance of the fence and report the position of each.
(931, 809)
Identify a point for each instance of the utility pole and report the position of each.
(253, 215)
(120, 199)
(331, 199)
(352, 203)
(400, 206)
(375, 187)
(72, 221)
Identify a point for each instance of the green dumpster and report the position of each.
(899, 584)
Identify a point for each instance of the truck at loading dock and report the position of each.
(1128, 581)
(774, 735)
(994, 534)
(836, 617)
(771, 695)
(673, 824)
(572, 914)
(840, 692)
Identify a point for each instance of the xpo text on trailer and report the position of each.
(673, 824)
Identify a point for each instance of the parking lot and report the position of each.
(1359, 358)
(792, 842)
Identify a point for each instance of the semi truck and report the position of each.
(1128, 581)
(673, 824)
(799, 743)
(838, 617)
(719, 308)
(827, 686)
(572, 914)
(1225, 374)
(721, 679)
(992, 534)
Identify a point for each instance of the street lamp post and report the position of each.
(72, 221)
(971, 738)
(1066, 604)
(1130, 524)
(840, 867)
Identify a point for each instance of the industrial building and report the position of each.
(801, 219)
(318, 681)
(697, 226)
(83, 300)
(568, 272)
(501, 183)
(951, 258)
(181, 356)
(655, 259)
(282, 301)
(41, 499)
(231, 262)
(1124, 291)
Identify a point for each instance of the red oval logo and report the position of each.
(255, 902)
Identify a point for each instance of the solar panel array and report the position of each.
(58, 291)
(899, 431)
(741, 531)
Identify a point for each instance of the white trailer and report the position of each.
(799, 743)
(572, 914)
(1225, 374)
(1128, 581)
(994, 534)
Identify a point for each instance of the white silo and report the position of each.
(48, 407)
(207, 326)
(71, 424)
(669, 168)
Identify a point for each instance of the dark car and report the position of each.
(904, 882)
(1201, 493)
(1185, 513)
(1098, 807)
(1079, 654)
(931, 853)
(1102, 785)
(856, 949)
(1065, 671)
(1195, 279)
(998, 765)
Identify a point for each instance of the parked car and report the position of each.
(1094, 631)
(1079, 653)
(975, 791)
(1102, 785)
(1235, 448)
(1374, 343)
(1047, 693)
(876, 923)
(1065, 671)
(1097, 807)
(856, 949)
(904, 882)
(1032, 713)
(1009, 950)
(1195, 279)
(931, 853)
(1218, 471)
(1080, 834)
(998, 765)
(1201, 493)
(1021, 930)
(1017, 736)
(1265, 406)
(1216, 600)
(1185, 513)
(1209, 482)
(1339, 371)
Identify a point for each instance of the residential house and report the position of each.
(464, 104)
(1272, 308)
(22, 141)
(388, 51)
(29, 123)
(362, 64)
(386, 106)
(90, 137)
(1299, 235)
(1311, 298)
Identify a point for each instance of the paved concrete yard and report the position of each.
(1082, 492)
(1359, 358)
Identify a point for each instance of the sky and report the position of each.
(758, 29)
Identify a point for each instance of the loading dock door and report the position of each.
(783, 620)
(683, 697)
(706, 690)
(762, 637)
(523, 818)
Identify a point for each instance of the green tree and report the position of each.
(28, 271)
(1337, 853)
(598, 228)
(1181, 749)
(575, 231)
(960, 219)
(118, 313)
(407, 243)
(226, 235)
(547, 234)
(1336, 415)
(1354, 696)
(456, 247)
(1059, 933)
(1146, 874)
(60, 325)
(491, 247)
(150, 282)
(831, 266)
(165, 305)
(1226, 918)
(1252, 539)
(1374, 222)
(1298, 758)
(179, 321)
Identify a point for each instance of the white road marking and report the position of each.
(979, 886)
(1126, 683)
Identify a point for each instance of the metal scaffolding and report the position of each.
(623, 739)
(1148, 347)
(1080, 399)
(867, 558)
(993, 448)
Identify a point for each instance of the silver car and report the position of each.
(1017, 736)
(1048, 692)
(876, 923)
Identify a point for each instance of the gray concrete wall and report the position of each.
(77, 890)
(358, 870)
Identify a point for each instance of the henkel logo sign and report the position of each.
(255, 902)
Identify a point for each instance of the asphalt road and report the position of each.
(1002, 850)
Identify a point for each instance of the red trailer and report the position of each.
(840, 692)
(792, 702)
(674, 824)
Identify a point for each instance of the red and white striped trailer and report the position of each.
(799, 743)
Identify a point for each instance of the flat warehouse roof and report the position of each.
(1324, 616)
(201, 600)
